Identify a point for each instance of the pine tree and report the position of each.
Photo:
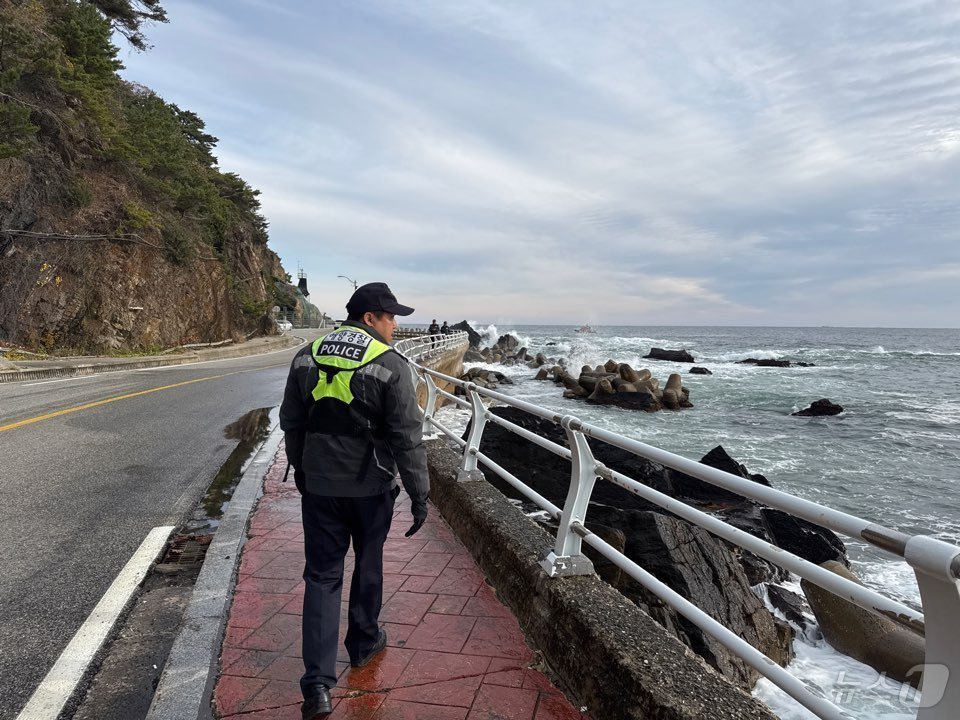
(128, 16)
(16, 129)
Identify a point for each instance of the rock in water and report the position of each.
(508, 343)
(472, 334)
(804, 539)
(632, 376)
(699, 567)
(792, 606)
(819, 408)
(765, 362)
(670, 400)
(691, 488)
(604, 387)
(880, 643)
(674, 355)
(626, 399)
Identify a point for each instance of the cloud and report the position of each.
(907, 277)
(753, 164)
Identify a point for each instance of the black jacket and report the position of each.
(385, 392)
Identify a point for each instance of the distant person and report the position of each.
(445, 329)
(351, 423)
(434, 329)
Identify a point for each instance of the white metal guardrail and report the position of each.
(415, 348)
(935, 563)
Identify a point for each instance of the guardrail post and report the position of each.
(478, 419)
(430, 407)
(932, 560)
(566, 558)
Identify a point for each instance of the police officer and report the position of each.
(350, 422)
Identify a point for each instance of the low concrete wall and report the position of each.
(616, 660)
(448, 363)
(71, 367)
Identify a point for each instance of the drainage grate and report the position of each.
(186, 550)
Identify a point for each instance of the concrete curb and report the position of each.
(92, 369)
(186, 684)
(139, 364)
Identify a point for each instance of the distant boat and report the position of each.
(584, 329)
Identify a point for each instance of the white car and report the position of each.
(284, 325)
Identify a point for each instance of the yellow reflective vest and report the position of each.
(338, 356)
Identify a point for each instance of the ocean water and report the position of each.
(892, 457)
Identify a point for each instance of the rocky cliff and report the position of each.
(101, 295)
(118, 230)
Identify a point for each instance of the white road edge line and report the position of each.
(56, 688)
(47, 382)
(179, 366)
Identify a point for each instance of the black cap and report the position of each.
(375, 297)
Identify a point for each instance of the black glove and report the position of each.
(300, 479)
(419, 511)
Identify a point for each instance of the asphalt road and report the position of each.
(79, 491)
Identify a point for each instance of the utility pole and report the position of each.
(352, 282)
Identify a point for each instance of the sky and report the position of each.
(606, 162)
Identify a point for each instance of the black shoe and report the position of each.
(318, 704)
(378, 646)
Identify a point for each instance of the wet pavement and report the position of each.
(454, 652)
(249, 431)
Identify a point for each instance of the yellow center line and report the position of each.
(87, 406)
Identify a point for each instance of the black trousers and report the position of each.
(329, 524)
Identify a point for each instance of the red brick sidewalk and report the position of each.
(454, 651)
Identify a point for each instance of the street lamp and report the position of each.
(352, 282)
